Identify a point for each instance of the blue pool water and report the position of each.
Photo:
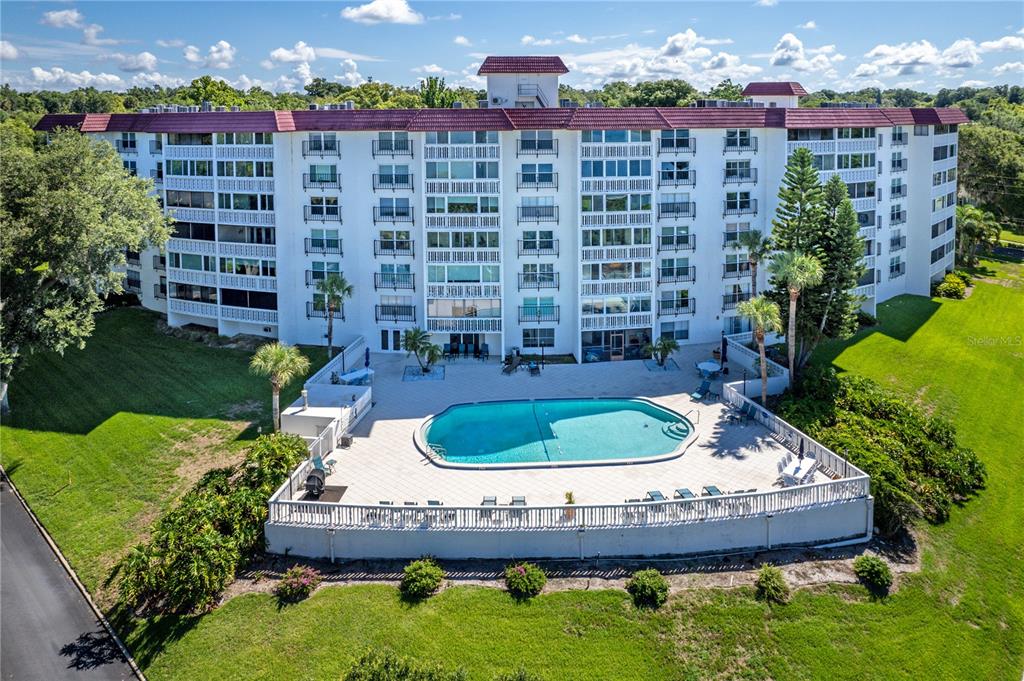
(552, 431)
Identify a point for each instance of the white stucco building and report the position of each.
(587, 231)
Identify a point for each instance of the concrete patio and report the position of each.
(384, 464)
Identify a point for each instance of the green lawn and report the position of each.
(961, 617)
(101, 439)
(1007, 235)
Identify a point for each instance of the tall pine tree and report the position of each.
(820, 222)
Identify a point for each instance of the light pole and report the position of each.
(342, 348)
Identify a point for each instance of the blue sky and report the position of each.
(281, 45)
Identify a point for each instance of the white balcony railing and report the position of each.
(255, 218)
(248, 314)
(184, 276)
(599, 322)
(461, 187)
(463, 255)
(247, 250)
(191, 246)
(435, 152)
(595, 253)
(464, 290)
(636, 150)
(192, 307)
(189, 184)
(248, 282)
(464, 324)
(245, 152)
(463, 221)
(623, 184)
(616, 287)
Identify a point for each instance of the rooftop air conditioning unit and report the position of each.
(456, 105)
(350, 104)
(481, 103)
(222, 108)
(313, 107)
(497, 100)
(236, 108)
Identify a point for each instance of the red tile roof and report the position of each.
(522, 65)
(499, 119)
(783, 89)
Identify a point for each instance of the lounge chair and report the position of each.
(743, 413)
(534, 369)
(632, 501)
(518, 501)
(485, 351)
(655, 495)
(683, 493)
(702, 392)
(412, 503)
(320, 464)
(387, 503)
(434, 502)
(711, 491)
(489, 501)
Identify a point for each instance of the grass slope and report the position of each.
(101, 439)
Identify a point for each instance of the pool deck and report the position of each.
(384, 464)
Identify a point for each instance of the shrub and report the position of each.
(524, 580)
(865, 319)
(195, 548)
(518, 675)
(873, 571)
(386, 665)
(297, 583)
(421, 578)
(648, 588)
(771, 585)
(964, 276)
(952, 286)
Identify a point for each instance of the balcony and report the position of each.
(745, 207)
(394, 247)
(316, 311)
(394, 313)
(536, 180)
(735, 270)
(739, 176)
(157, 177)
(537, 147)
(391, 148)
(897, 270)
(321, 246)
(464, 324)
(677, 306)
(465, 290)
(314, 276)
(538, 247)
(159, 262)
(739, 144)
(538, 280)
(679, 242)
(898, 192)
(676, 210)
(196, 308)
(253, 315)
(463, 220)
(899, 140)
(596, 253)
(537, 214)
(676, 275)
(677, 179)
(393, 215)
(133, 258)
(443, 186)
(615, 150)
(479, 152)
(321, 214)
(156, 148)
(320, 149)
(595, 219)
(599, 322)
(732, 238)
(392, 182)
(897, 217)
(394, 280)
(731, 300)
(247, 282)
(320, 182)
(247, 250)
(898, 166)
(616, 287)
(897, 243)
(126, 148)
(677, 146)
(160, 291)
(542, 313)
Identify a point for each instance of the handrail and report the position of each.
(352, 352)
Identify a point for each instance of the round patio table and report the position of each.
(710, 366)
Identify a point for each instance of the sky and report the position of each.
(283, 45)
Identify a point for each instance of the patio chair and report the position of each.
(509, 368)
(489, 501)
(411, 503)
(485, 352)
(683, 493)
(447, 351)
(743, 413)
(702, 392)
(321, 465)
(534, 369)
(469, 349)
(387, 503)
(655, 495)
(476, 352)
(700, 372)
(434, 502)
(518, 501)
(711, 491)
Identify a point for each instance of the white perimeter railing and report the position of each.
(750, 359)
(852, 484)
(353, 356)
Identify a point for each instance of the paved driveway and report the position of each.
(47, 630)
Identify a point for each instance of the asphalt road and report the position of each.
(47, 629)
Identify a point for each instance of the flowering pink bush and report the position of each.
(298, 582)
(524, 580)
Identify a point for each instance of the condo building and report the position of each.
(524, 223)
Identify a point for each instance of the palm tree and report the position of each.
(415, 342)
(765, 318)
(281, 364)
(757, 247)
(798, 271)
(975, 227)
(661, 349)
(335, 289)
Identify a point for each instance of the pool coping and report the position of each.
(427, 452)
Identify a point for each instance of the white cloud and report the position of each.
(789, 51)
(462, 40)
(8, 50)
(678, 58)
(537, 42)
(767, 3)
(824, 49)
(151, 79)
(809, 25)
(267, 64)
(962, 54)
(866, 71)
(431, 69)
(300, 53)
(143, 61)
(58, 77)
(383, 12)
(973, 83)
(453, 16)
(175, 42)
(91, 36)
(350, 73)
(908, 58)
(335, 53)
(1009, 67)
(65, 18)
(221, 55)
(723, 61)
(576, 38)
(304, 72)
(1008, 42)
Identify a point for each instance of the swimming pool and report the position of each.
(554, 432)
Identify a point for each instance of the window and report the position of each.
(619, 168)
(673, 172)
(824, 162)
(323, 173)
(394, 207)
(847, 161)
(131, 167)
(738, 169)
(189, 138)
(324, 239)
(945, 129)
(675, 139)
(189, 261)
(537, 173)
(182, 199)
(675, 330)
(855, 133)
(538, 338)
(323, 205)
(733, 229)
(463, 137)
(737, 138)
(804, 134)
(615, 136)
(537, 140)
(245, 138)
(859, 190)
(322, 141)
(590, 203)
(737, 201)
(921, 131)
(393, 174)
(189, 168)
(943, 152)
(227, 201)
(393, 141)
